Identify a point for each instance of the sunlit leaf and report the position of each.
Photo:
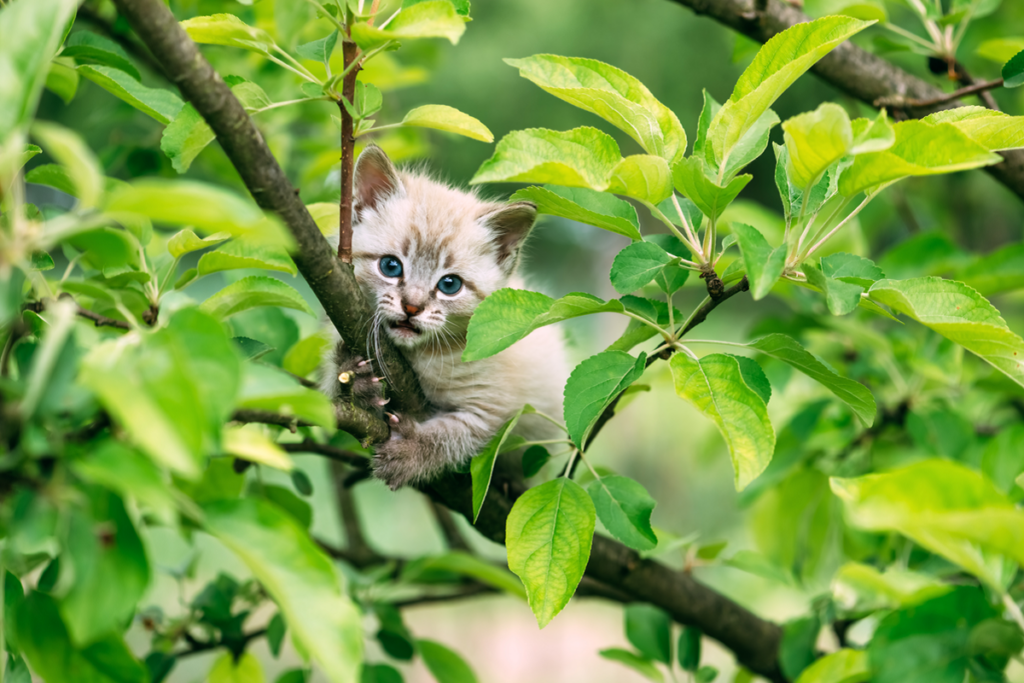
(248, 443)
(582, 157)
(429, 19)
(586, 206)
(227, 29)
(613, 95)
(241, 254)
(186, 241)
(920, 149)
(958, 313)
(68, 148)
(945, 507)
(715, 386)
(815, 140)
(777, 65)
(643, 176)
(548, 536)
(993, 130)
(764, 264)
(842, 666)
(690, 178)
(448, 119)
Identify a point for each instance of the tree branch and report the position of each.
(754, 640)
(332, 282)
(861, 74)
(348, 150)
(355, 543)
(354, 460)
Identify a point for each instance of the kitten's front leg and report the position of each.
(419, 451)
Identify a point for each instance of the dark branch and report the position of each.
(332, 282)
(861, 74)
(99, 320)
(350, 458)
(449, 529)
(950, 97)
(355, 542)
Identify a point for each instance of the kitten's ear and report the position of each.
(509, 226)
(376, 179)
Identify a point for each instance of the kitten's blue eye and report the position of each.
(390, 266)
(450, 284)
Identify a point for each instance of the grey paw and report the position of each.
(357, 379)
(401, 460)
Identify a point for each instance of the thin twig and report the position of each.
(351, 458)
(956, 94)
(450, 530)
(355, 541)
(348, 146)
(99, 320)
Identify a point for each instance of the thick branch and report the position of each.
(332, 282)
(859, 73)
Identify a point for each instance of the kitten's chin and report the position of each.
(405, 334)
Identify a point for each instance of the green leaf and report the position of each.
(319, 50)
(920, 149)
(752, 145)
(586, 206)
(251, 292)
(788, 350)
(641, 665)
(777, 65)
(764, 264)
(186, 241)
(372, 673)
(841, 297)
(672, 276)
(534, 460)
(861, 587)
(71, 152)
(242, 254)
(1000, 271)
(715, 386)
(162, 105)
(429, 19)
(636, 265)
(267, 388)
(30, 32)
(175, 389)
(467, 565)
(613, 95)
(943, 506)
(593, 385)
(1013, 71)
(1000, 49)
(445, 665)
(816, 140)
(689, 647)
(851, 268)
(929, 643)
(249, 443)
(690, 178)
(872, 136)
(960, 314)
(227, 29)
(582, 157)
(441, 117)
(624, 507)
(754, 377)
(842, 666)
(993, 130)
(649, 629)
(62, 80)
(110, 576)
(89, 47)
(112, 657)
(508, 315)
(707, 114)
(305, 356)
(245, 669)
(797, 649)
(122, 469)
(643, 176)
(481, 468)
(548, 536)
(44, 642)
(298, 576)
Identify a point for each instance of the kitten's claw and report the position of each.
(357, 378)
(393, 418)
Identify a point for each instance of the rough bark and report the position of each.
(849, 68)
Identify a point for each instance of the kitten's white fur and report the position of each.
(435, 230)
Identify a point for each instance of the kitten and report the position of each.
(426, 255)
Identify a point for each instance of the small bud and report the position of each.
(345, 377)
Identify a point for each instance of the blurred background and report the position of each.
(656, 439)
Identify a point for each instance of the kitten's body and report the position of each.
(436, 232)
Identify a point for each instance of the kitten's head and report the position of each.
(427, 253)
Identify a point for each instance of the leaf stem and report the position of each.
(661, 330)
(686, 221)
(275, 105)
(567, 472)
(545, 442)
(836, 229)
(330, 17)
(899, 30)
(295, 71)
(694, 245)
(551, 420)
(296, 63)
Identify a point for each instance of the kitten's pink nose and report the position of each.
(411, 310)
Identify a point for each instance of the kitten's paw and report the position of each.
(356, 376)
(401, 460)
